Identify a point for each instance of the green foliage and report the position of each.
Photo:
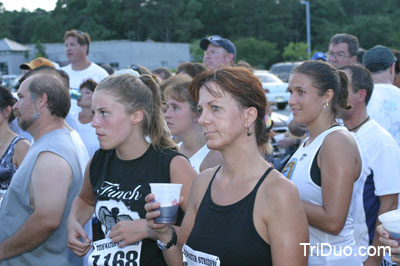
(196, 52)
(259, 54)
(40, 50)
(295, 51)
(275, 27)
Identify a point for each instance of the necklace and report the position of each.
(362, 123)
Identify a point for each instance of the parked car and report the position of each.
(9, 81)
(276, 89)
(283, 70)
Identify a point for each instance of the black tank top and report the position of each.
(121, 186)
(228, 232)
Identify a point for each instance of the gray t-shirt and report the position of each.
(16, 209)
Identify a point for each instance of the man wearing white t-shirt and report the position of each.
(384, 106)
(379, 183)
(80, 68)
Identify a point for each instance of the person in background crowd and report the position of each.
(242, 212)
(191, 69)
(80, 68)
(392, 243)
(36, 206)
(319, 56)
(342, 50)
(181, 116)
(384, 104)
(85, 117)
(219, 52)
(108, 68)
(242, 63)
(396, 81)
(37, 62)
(162, 72)
(379, 182)
(360, 55)
(127, 109)
(12, 147)
(327, 163)
(140, 69)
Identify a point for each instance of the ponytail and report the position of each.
(155, 125)
(343, 90)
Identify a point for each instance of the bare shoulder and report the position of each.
(278, 190)
(22, 145)
(213, 158)
(340, 138)
(179, 162)
(48, 163)
(340, 145)
(200, 185)
(21, 148)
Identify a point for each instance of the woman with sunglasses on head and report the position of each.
(12, 147)
(181, 116)
(242, 212)
(326, 164)
(127, 109)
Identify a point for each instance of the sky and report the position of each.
(29, 4)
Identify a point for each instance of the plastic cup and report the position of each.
(391, 222)
(167, 195)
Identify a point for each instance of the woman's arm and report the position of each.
(340, 164)
(127, 232)
(173, 255)
(81, 211)
(181, 172)
(21, 148)
(286, 223)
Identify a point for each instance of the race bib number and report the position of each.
(197, 258)
(107, 253)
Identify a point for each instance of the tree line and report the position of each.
(264, 31)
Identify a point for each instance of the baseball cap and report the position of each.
(378, 58)
(319, 56)
(218, 41)
(37, 62)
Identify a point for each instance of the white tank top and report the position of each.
(298, 170)
(198, 157)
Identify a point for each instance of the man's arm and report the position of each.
(388, 203)
(50, 182)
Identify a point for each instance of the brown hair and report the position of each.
(244, 86)
(83, 38)
(324, 77)
(7, 99)
(53, 84)
(143, 93)
(89, 83)
(192, 69)
(178, 89)
(350, 40)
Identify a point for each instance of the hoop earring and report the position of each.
(326, 104)
(248, 133)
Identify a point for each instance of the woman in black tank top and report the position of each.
(127, 109)
(242, 212)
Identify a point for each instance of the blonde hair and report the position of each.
(143, 93)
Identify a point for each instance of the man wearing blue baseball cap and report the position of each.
(219, 52)
(384, 105)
